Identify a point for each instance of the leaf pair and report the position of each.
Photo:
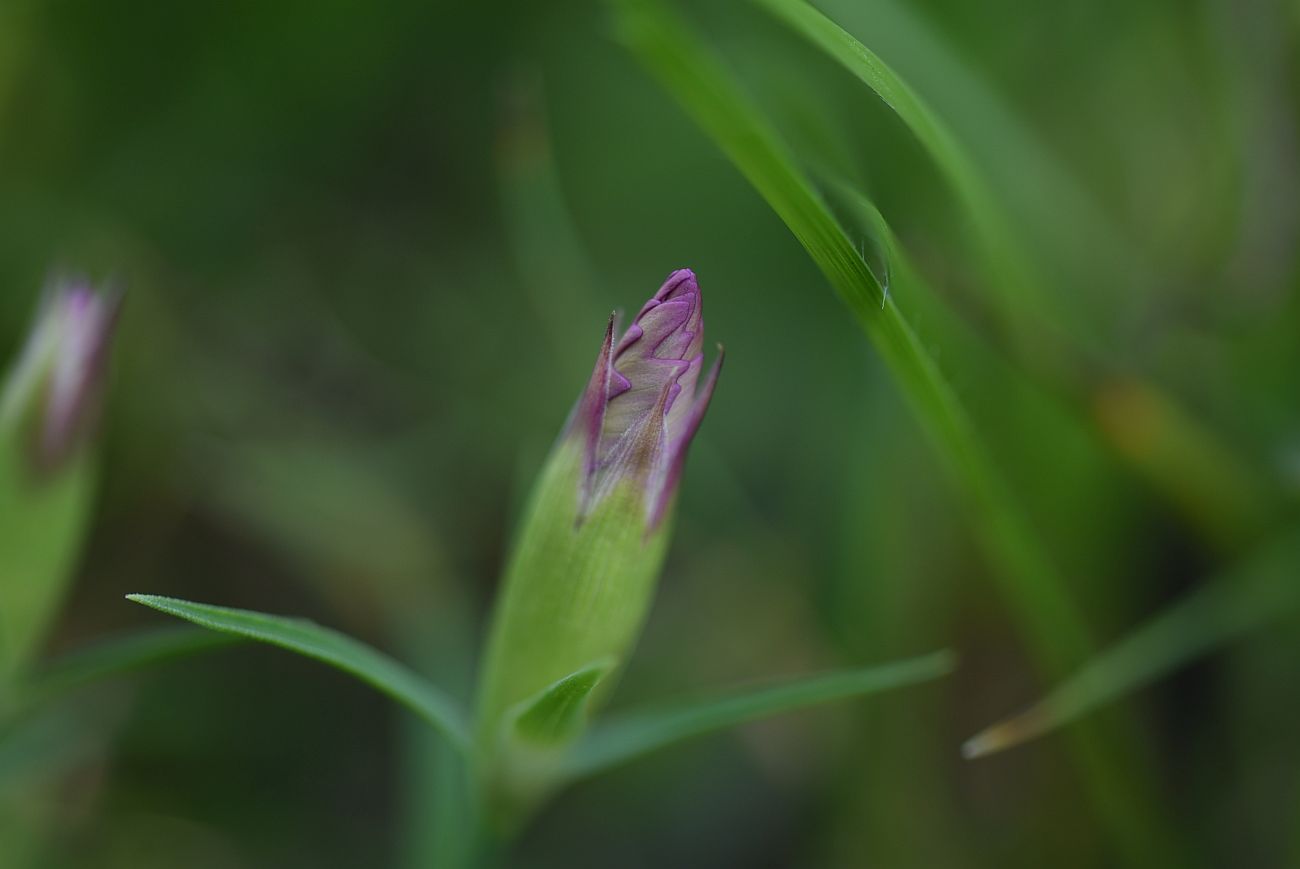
(557, 714)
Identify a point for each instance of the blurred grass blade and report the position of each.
(624, 737)
(118, 656)
(46, 744)
(1080, 239)
(336, 649)
(1188, 465)
(1189, 476)
(1267, 587)
(1009, 273)
(1208, 482)
(557, 714)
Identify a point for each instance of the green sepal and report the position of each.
(559, 713)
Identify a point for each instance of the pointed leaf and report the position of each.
(338, 650)
(557, 714)
(1266, 588)
(628, 736)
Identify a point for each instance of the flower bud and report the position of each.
(48, 407)
(51, 398)
(641, 408)
(593, 539)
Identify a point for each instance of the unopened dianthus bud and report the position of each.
(583, 569)
(52, 395)
(642, 406)
(48, 407)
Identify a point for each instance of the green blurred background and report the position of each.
(370, 249)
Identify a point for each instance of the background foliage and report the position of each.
(370, 251)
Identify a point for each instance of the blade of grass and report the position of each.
(1009, 272)
(338, 650)
(1250, 596)
(1200, 475)
(1218, 613)
(913, 286)
(1028, 580)
(1195, 472)
(1081, 240)
(625, 737)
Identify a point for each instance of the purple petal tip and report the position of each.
(651, 406)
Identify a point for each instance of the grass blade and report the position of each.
(1200, 476)
(1008, 271)
(622, 738)
(1265, 588)
(1081, 241)
(338, 650)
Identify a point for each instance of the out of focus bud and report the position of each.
(48, 407)
(584, 566)
(51, 398)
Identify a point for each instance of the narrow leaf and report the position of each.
(1029, 176)
(1009, 272)
(1197, 472)
(1267, 587)
(624, 737)
(338, 650)
(557, 714)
